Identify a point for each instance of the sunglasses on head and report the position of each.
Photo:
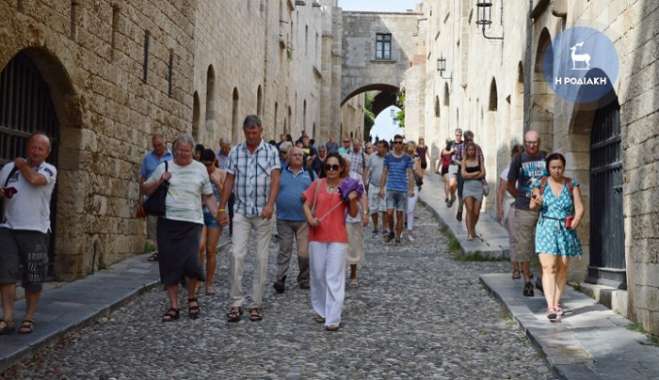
(334, 167)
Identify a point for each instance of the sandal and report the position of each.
(193, 310)
(516, 274)
(234, 314)
(171, 315)
(210, 291)
(153, 257)
(27, 326)
(318, 318)
(332, 328)
(7, 328)
(255, 314)
(553, 315)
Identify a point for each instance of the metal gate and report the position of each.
(607, 240)
(26, 107)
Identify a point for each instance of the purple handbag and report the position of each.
(349, 185)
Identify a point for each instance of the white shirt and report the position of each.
(29, 208)
(186, 186)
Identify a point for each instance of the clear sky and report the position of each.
(385, 127)
(378, 5)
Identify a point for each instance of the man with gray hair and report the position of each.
(253, 172)
(27, 187)
(291, 223)
(526, 170)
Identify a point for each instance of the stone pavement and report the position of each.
(418, 313)
(591, 342)
(494, 243)
(63, 308)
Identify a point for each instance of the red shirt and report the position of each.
(331, 211)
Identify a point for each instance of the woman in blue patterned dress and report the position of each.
(561, 211)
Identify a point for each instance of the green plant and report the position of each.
(652, 339)
(400, 115)
(149, 247)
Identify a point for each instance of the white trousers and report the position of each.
(328, 275)
(411, 204)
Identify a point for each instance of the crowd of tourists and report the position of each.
(316, 199)
(541, 221)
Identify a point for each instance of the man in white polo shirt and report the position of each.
(26, 187)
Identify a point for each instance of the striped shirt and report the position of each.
(397, 167)
(252, 176)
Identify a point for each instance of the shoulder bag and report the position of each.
(155, 203)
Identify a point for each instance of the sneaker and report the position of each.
(389, 237)
(528, 289)
(410, 236)
(385, 232)
(458, 216)
(375, 232)
(280, 286)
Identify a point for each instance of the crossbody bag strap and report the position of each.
(11, 174)
(315, 197)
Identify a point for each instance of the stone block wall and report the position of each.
(95, 70)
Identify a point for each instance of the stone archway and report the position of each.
(47, 84)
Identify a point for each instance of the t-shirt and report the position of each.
(289, 200)
(29, 208)
(151, 161)
(526, 170)
(186, 186)
(375, 165)
(397, 171)
(332, 228)
(332, 147)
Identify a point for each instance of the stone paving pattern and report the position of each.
(417, 313)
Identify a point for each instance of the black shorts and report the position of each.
(23, 257)
(444, 170)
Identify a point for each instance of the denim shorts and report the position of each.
(397, 200)
(209, 220)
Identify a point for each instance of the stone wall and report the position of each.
(496, 89)
(106, 110)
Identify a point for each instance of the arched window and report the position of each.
(275, 119)
(494, 100)
(210, 99)
(304, 116)
(195, 115)
(436, 106)
(447, 100)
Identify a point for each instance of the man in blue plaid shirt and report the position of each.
(253, 171)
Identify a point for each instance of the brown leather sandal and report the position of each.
(27, 326)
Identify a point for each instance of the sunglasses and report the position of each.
(334, 168)
(398, 142)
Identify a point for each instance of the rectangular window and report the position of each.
(115, 25)
(170, 74)
(147, 38)
(383, 46)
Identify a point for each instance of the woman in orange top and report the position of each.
(325, 212)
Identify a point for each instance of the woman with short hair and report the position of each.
(179, 230)
(556, 241)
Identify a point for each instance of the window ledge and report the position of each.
(384, 60)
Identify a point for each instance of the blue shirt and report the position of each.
(397, 171)
(151, 162)
(289, 200)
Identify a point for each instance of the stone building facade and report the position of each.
(103, 76)
(100, 77)
(496, 88)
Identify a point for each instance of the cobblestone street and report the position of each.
(417, 313)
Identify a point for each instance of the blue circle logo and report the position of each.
(582, 65)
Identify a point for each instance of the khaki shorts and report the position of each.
(522, 234)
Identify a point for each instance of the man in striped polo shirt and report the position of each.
(398, 180)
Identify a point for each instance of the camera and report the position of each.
(9, 192)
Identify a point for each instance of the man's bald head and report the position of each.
(38, 148)
(532, 142)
